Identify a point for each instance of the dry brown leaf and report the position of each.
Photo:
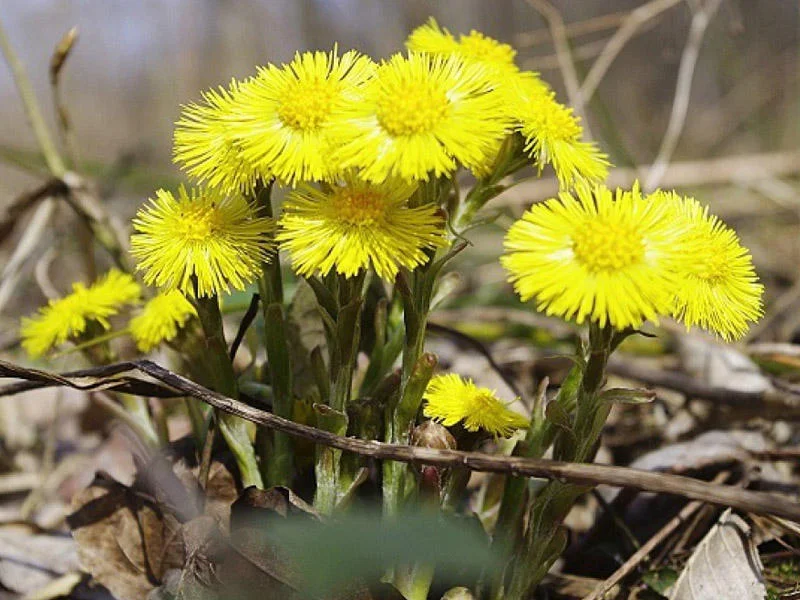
(125, 543)
(725, 564)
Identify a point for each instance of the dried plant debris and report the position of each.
(31, 559)
(724, 565)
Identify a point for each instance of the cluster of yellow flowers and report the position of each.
(354, 139)
(623, 258)
(70, 317)
(358, 143)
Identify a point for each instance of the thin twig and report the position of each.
(561, 45)
(781, 402)
(727, 169)
(57, 61)
(648, 546)
(593, 25)
(683, 89)
(636, 19)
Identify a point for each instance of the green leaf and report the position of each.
(628, 395)
(660, 580)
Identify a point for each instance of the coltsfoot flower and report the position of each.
(718, 288)
(610, 258)
(160, 320)
(206, 147)
(68, 317)
(553, 134)
(355, 225)
(283, 114)
(202, 239)
(451, 399)
(472, 47)
(421, 115)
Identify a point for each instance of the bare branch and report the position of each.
(683, 89)
(760, 503)
(746, 167)
(636, 19)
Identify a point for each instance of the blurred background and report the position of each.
(135, 63)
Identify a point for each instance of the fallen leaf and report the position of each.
(125, 542)
(725, 564)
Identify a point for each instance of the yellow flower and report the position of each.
(421, 114)
(474, 47)
(216, 240)
(553, 133)
(356, 225)
(450, 399)
(718, 288)
(206, 148)
(609, 259)
(69, 316)
(161, 319)
(283, 114)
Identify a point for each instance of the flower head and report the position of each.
(596, 255)
(160, 319)
(69, 316)
(217, 240)
(718, 287)
(355, 225)
(283, 114)
(553, 133)
(206, 147)
(472, 47)
(421, 114)
(450, 399)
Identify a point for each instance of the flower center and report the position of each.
(306, 105)
(359, 206)
(551, 121)
(198, 223)
(713, 267)
(413, 107)
(600, 246)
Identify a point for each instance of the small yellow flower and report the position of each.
(553, 133)
(718, 288)
(283, 114)
(355, 225)
(160, 319)
(422, 114)
(219, 241)
(474, 47)
(69, 316)
(206, 148)
(451, 399)
(596, 256)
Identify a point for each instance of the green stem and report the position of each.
(545, 538)
(276, 340)
(234, 429)
(398, 431)
(138, 409)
